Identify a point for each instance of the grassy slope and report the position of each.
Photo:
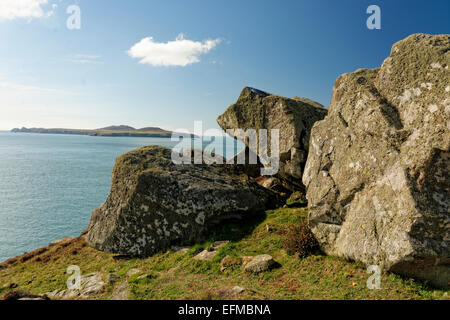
(173, 275)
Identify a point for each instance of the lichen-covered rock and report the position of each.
(378, 172)
(293, 118)
(154, 203)
(90, 285)
(260, 263)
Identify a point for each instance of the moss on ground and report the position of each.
(175, 275)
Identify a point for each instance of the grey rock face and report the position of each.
(154, 203)
(378, 172)
(293, 118)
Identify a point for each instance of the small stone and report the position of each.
(132, 272)
(229, 292)
(206, 255)
(66, 239)
(182, 250)
(260, 263)
(218, 244)
(145, 276)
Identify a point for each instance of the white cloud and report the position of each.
(180, 52)
(12, 9)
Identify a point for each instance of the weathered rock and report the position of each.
(180, 249)
(154, 203)
(63, 240)
(378, 171)
(133, 272)
(206, 255)
(229, 292)
(209, 253)
(293, 117)
(260, 263)
(217, 245)
(24, 295)
(274, 184)
(90, 285)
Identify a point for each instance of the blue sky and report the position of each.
(51, 76)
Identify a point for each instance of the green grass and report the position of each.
(173, 275)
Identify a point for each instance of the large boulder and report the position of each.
(155, 203)
(293, 118)
(378, 172)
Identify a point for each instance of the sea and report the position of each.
(50, 183)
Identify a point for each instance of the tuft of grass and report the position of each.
(300, 240)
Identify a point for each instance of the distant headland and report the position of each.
(111, 131)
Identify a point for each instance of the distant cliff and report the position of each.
(111, 131)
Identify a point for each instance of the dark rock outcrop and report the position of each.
(155, 203)
(293, 118)
(378, 171)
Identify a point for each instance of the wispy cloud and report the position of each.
(29, 105)
(28, 9)
(180, 52)
(85, 58)
(26, 89)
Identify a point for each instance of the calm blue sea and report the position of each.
(49, 184)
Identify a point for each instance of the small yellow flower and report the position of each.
(354, 284)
